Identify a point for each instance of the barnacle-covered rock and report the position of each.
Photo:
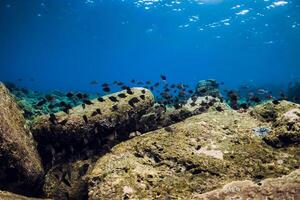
(198, 155)
(88, 127)
(21, 168)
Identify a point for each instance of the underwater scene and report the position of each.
(150, 99)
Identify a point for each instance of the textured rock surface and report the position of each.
(286, 187)
(10, 196)
(68, 181)
(208, 88)
(72, 134)
(192, 157)
(284, 120)
(20, 167)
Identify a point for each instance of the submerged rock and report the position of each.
(91, 126)
(198, 155)
(208, 88)
(68, 181)
(10, 196)
(286, 187)
(21, 168)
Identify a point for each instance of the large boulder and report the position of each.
(20, 168)
(198, 155)
(284, 122)
(89, 127)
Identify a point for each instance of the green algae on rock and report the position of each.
(21, 168)
(199, 155)
(108, 119)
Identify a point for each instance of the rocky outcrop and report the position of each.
(21, 167)
(286, 187)
(86, 128)
(68, 180)
(198, 155)
(207, 88)
(284, 121)
(10, 196)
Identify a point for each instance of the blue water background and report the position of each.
(64, 44)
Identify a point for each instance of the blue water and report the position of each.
(65, 44)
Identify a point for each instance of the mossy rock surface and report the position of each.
(286, 187)
(198, 155)
(21, 169)
(11, 196)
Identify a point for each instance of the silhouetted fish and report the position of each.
(100, 99)
(85, 119)
(122, 95)
(163, 77)
(113, 99)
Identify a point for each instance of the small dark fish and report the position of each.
(83, 169)
(85, 119)
(133, 101)
(87, 102)
(106, 89)
(120, 83)
(163, 77)
(83, 106)
(276, 102)
(244, 106)
(122, 95)
(85, 96)
(52, 118)
(148, 82)
(142, 97)
(114, 108)
(203, 90)
(98, 111)
(63, 122)
(94, 114)
(51, 106)
(156, 84)
(129, 91)
(69, 94)
(140, 83)
(219, 109)
(191, 91)
(168, 129)
(132, 81)
(62, 104)
(65, 110)
(40, 103)
(255, 99)
(152, 88)
(113, 99)
(79, 95)
(193, 104)
(181, 94)
(100, 99)
(49, 98)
